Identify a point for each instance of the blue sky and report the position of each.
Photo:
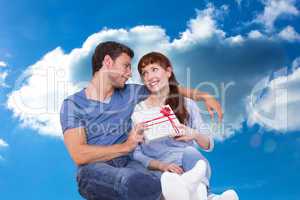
(246, 53)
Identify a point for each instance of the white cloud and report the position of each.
(41, 89)
(3, 64)
(275, 101)
(275, 9)
(296, 63)
(3, 143)
(236, 39)
(289, 34)
(255, 34)
(3, 76)
(201, 29)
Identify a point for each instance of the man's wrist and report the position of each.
(203, 96)
(125, 148)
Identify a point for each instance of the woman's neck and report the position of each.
(159, 98)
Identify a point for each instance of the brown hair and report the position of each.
(174, 99)
(111, 48)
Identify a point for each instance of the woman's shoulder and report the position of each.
(190, 104)
(140, 106)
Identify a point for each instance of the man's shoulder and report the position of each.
(137, 90)
(73, 100)
(75, 96)
(133, 86)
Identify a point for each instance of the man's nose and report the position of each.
(129, 73)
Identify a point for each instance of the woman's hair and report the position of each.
(174, 99)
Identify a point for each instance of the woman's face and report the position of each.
(155, 77)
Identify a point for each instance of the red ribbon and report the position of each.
(166, 111)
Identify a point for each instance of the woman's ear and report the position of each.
(169, 71)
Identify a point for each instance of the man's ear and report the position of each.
(107, 61)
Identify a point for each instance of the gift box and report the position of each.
(159, 122)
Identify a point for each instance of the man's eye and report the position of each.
(154, 69)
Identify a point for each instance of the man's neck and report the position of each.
(99, 88)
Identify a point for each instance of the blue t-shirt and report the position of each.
(105, 123)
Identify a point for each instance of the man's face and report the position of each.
(120, 70)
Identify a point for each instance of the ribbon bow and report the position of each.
(166, 111)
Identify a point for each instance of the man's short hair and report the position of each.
(113, 49)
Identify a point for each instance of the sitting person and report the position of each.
(184, 171)
(97, 129)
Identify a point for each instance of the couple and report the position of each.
(99, 136)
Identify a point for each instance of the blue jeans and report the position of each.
(118, 179)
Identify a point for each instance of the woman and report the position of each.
(186, 172)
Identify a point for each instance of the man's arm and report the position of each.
(83, 153)
(210, 102)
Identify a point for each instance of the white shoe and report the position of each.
(227, 195)
(194, 176)
(200, 193)
(173, 187)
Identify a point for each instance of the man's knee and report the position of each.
(142, 186)
(91, 186)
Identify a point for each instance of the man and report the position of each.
(98, 133)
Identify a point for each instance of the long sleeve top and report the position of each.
(167, 149)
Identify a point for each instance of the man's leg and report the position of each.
(152, 181)
(99, 181)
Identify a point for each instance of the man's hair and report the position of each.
(113, 49)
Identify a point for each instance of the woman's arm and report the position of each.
(210, 102)
(163, 167)
(189, 134)
(198, 131)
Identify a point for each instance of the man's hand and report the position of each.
(212, 104)
(170, 167)
(135, 137)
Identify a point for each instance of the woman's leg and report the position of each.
(227, 195)
(190, 157)
(197, 173)
(173, 187)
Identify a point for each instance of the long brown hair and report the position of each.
(174, 99)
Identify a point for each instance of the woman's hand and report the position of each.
(171, 167)
(185, 138)
(186, 133)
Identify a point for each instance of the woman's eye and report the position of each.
(154, 69)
